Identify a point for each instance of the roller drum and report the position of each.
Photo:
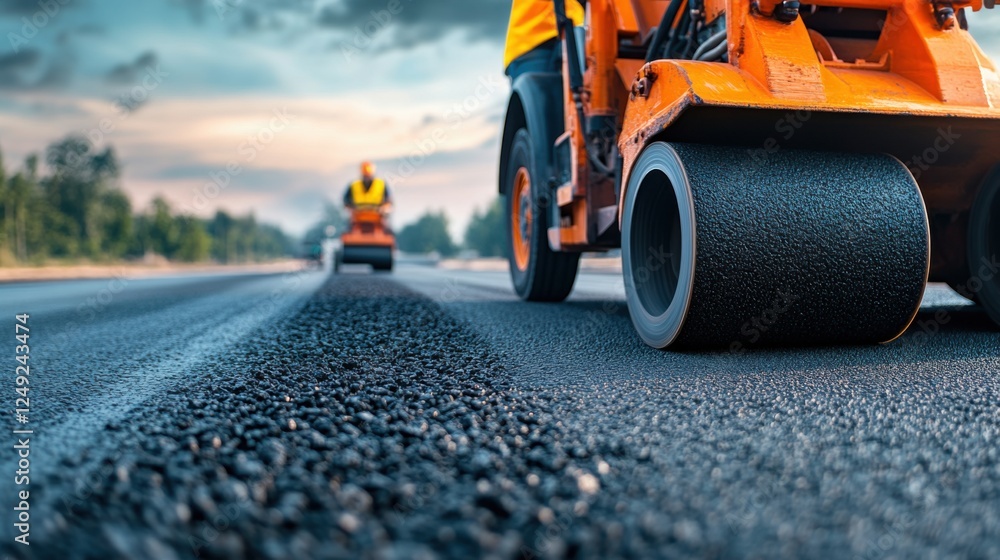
(380, 258)
(724, 250)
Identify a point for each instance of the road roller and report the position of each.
(774, 172)
(368, 240)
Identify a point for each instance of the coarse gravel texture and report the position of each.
(373, 424)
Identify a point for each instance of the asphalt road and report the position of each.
(431, 414)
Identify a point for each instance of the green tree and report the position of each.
(78, 210)
(164, 233)
(118, 224)
(485, 234)
(6, 255)
(242, 239)
(193, 244)
(427, 235)
(223, 240)
(81, 178)
(34, 228)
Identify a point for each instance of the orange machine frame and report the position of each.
(925, 91)
(367, 228)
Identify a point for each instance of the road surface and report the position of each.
(430, 414)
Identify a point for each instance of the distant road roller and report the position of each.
(774, 172)
(368, 240)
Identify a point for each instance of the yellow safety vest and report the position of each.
(532, 22)
(374, 196)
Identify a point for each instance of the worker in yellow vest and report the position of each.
(369, 191)
(533, 38)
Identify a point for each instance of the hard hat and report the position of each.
(368, 169)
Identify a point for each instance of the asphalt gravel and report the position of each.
(425, 415)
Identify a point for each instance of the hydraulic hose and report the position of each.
(715, 53)
(709, 44)
(663, 32)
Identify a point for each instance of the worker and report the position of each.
(369, 191)
(533, 38)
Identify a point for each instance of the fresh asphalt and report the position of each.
(429, 413)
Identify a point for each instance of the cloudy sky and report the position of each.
(269, 105)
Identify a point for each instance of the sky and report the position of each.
(269, 106)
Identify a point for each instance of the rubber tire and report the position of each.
(984, 246)
(336, 262)
(549, 275)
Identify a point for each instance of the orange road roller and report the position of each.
(774, 171)
(368, 240)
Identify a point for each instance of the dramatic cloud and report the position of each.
(20, 7)
(403, 23)
(130, 72)
(16, 68)
(416, 21)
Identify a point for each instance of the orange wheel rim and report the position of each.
(521, 218)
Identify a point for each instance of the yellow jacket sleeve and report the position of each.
(532, 22)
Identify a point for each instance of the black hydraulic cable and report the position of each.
(675, 36)
(709, 44)
(716, 53)
(697, 13)
(663, 31)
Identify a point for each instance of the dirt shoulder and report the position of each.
(137, 270)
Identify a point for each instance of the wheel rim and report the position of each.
(656, 282)
(521, 218)
(658, 246)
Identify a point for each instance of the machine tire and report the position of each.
(336, 262)
(383, 267)
(984, 247)
(538, 273)
(813, 248)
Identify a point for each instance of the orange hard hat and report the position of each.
(368, 169)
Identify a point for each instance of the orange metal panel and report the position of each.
(367, 227)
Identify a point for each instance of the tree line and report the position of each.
(485, 234)
(77, 210)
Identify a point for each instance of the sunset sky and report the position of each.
(288, 92)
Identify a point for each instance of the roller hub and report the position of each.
(521, 216)
(807, 248)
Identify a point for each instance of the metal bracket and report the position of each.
(787, 11)
(643, 83)
(945, 15)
